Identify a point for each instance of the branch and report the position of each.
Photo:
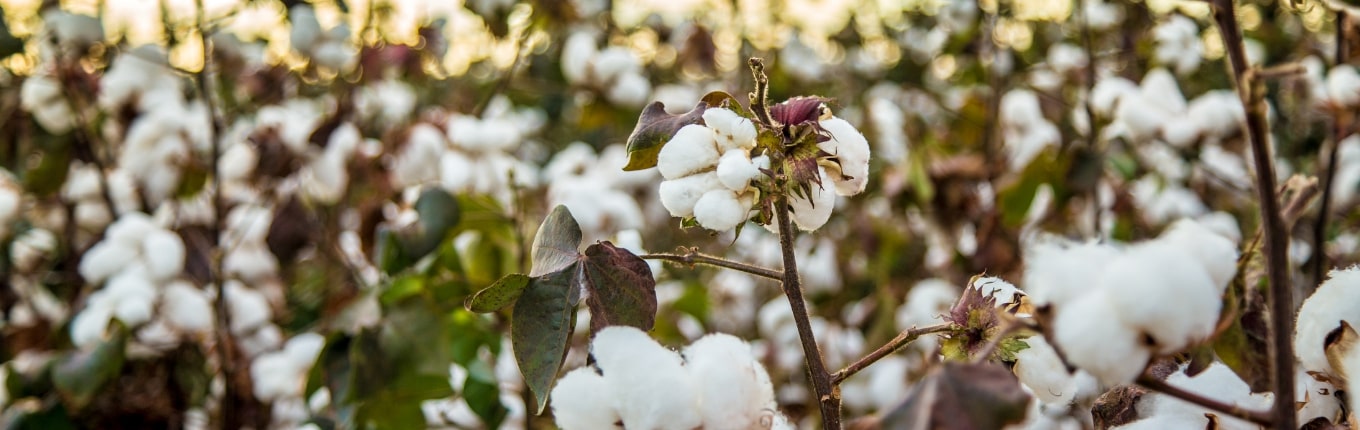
(691, 256)
(1318, 267)
(1281, 294)
(905, 337)
(760, 103)
(1262, 418)
(828, 400)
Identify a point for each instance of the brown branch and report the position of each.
(1281, 294)
(828, 400)
(1262, 418)
(1318, 266)
(760, 103)
(905, 337)
(691, 257)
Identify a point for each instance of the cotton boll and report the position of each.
(1108, 92)
(734, 390)
(1040, 369)
(612, 63)
(1142, 115)
(721, 210)
(1164, 293)
(306, 31)
(1094, 339)
(1223, 224)
(1216, 382)
(130, 229)
(41, 96)
(1343, 86)
(1004, 292)
(419, 162)
(105, 259)
(249, 308)
(630, 90)
(692, 149)
(679, 196)
(250, 261)
(1318, 399)
(133, 310)
(88, 327)
(163, 252)
(1219, 113)
(730, 130)
(577, 54)
(810, 212)
(637, 369)
(1216, 253)
(583, 400)
(851, 151)
(1333, 301)
(736, 169)
(238, 162)
(187, 308)
(1058, 272)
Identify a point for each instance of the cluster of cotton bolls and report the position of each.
(1218, 382)
(1114, 307)
(139, 263)
(1178, 44)
(470, 154)
(1155, 109)
(715, 383)
(596, 189)
(615, 70)
(326, 48)
(1026, 130)
(11, 202)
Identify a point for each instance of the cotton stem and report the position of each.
(828, 400)
(691, 257)
(1263, 418)
(902, 340)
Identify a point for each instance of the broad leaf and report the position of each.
(726, 101)
(959, 396)
(622, 290)
(81, 375)
(654, 128)
(539, 330)
(499, 295)
(401, 247)
(555, 245)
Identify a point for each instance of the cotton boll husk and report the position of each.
(851, 172)
(734, 390)
(652, 388)
(679, 196)
(1004, 292)
(1095, 340)
(163, 252)
(1057, 271)
(1343, 86)
(721, 210)
(105, 259)
(1333, 301)
(249, 308)
(583, 400)
(1040, 369)
(691, 149)
(736, 169)
(810, 212)
(1216, 253)
(1164, 293)
(187, 308)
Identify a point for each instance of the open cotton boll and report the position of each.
(1317, 398)
(1057, 271)
(1094, 339)
(1179, 44)
(187, 308)
(1108, 92)
(721, 209)
(734, 390)
(249, 308)
(1040, 369)
(1219, 113)
(1335, 300)
(630, 89)
(736, 169)
(283, 374)
(1162, 292)
(1343, 86)
(850, 172)
(582, 400)
(680, 195)
(41, 96)
(1216, 253)
(577, 54)
(1004, 292)
(651, 386)
(250, 261)
(1141, 116)
(810, 212)
(692, 149)
(419, 161)
(105, 259)
(88, 327)
(730, 130)
(163, 252)
(130, 229)
(306, 30)
(1159, 87)
(612, 62)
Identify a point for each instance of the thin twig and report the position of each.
(691, 256)
(760, 103)
(1276, 243)
(905, 337)
(1318, 266)
(1262, 418)
(828, 400)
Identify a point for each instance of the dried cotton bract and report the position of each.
(642, 385)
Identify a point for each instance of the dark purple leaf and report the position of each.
(654, 128)
(622, 290)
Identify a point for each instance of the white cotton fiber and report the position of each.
(1216, 253)
(1343, 86)
(680, 195)
(249, 308)
(810, 212)
(692, 149)
(163, 252)
(731, 131)
(186, 308)
(1335, 300)
(1057, 271)
(732, 386)
(736, 169)
(1099, 343)
(635, 366)
(721, 210)
(105, 259)
(851, 151)
(1160, 291)
(582, 400)
(1040, 369)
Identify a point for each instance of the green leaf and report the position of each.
(961, 396)
(484, 399)
(540, 329)
(654, 128)
(556, 244)
(622, 289)
(401, 247)
(499, 295)
(82, 374)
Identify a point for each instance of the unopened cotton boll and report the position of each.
(652, 387)
(1336, 300)
(1343, 86)
(1161, 291)
(722, 209)
(692, 149)
(736, 169)
(1094, 339)
(680, 195)
(734, 390)
(850, 173)
(582, 400)
(187, 308)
